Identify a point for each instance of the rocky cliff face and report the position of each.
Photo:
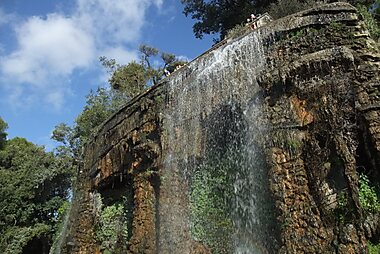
(254, 147)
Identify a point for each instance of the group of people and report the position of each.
(251, 21)
(167, 72)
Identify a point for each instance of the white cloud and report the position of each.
(114, 20)
(49, 49)
(55, 99)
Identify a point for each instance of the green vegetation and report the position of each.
(34, 185)
(297, 34)
(217, 17)
(371, 23)
(221, 16)
(112, 228)
(373, 248)
(342, 207)
(133, 78)
(211, 194)
(3, 134)
(15, 239)
(337, 26)
(367, 195)
(368, 199)
(62, 219)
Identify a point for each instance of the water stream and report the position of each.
(213, 137)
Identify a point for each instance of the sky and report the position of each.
(50, 49)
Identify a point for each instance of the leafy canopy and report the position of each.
(135, 77)
(3, 134)
(217, 17)
(34, 184)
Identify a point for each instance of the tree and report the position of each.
(3, 134)
(219, 16)
(131, 79)
(216, 16)
(135, 77)
(34, 184)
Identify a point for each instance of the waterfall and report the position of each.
(213, 161)
(253, 211)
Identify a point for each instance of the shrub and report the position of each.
(112, 227)
(210, 196)
(367, 195)
(342, 204)
(373, 249)
(370, 21)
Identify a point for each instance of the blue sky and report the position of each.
(49, 51)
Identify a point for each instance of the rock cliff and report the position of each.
(256, 146)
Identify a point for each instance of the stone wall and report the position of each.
(314, 79)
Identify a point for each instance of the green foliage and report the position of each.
(109, 64)
(147, 52)
(99, 106)
(297, 34)
(219, 16)
(370, 21)
(361, 2)
(211, 194)
(131, 79)
(342, 207)
(112, 228)
(373, 248)
(33, 185)
(168, 58)
(14, 239)
(367, 195)
(3, 134)
(134, 78)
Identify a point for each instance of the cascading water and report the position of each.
(253, 211)
(213, 128)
